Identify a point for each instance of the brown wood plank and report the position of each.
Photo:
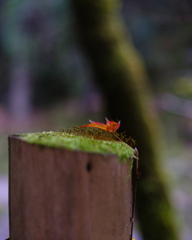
(67, 195)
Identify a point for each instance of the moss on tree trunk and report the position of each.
(120, 72)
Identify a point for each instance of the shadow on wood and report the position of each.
(67, 195)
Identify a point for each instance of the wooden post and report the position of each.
(67, 195)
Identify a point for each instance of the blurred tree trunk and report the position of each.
(120, 72)
(20, 90)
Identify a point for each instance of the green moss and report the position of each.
(79, 142)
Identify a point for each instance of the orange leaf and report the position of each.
(110, 126)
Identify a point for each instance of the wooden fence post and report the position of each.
(67, 195)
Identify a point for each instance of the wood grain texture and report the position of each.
(67, 195)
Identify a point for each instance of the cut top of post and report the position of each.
(80, 143)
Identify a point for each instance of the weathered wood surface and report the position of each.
(67, 195)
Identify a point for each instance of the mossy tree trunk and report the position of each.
(120, 72)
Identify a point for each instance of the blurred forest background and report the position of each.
(46, 82)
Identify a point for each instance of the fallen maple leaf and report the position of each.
(110, 126)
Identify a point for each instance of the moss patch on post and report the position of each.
(82, 143)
